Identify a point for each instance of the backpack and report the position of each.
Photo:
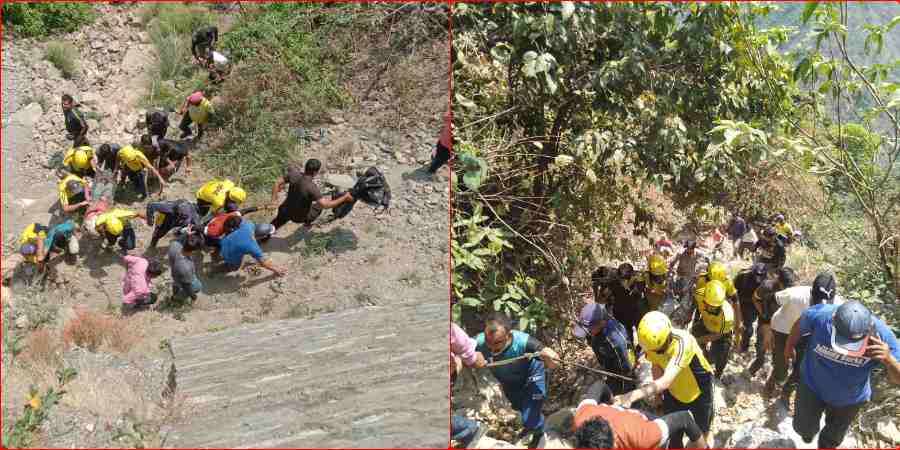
(373, 189)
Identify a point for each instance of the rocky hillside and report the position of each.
(392, 260)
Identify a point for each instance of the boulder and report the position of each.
(340, 181)
(27, 116)
(887, 429)
(752, 436)
(489, 442)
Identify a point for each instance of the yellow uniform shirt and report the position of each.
(31, 236)
(214, 193)
(686, 354)
(785, 229)
(654, 292)
(63, 192)
(721, 322)
(122, 214)
(69, 158)
(200, 113)
(133, 159)
(730, 290)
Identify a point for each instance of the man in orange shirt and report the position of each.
(601, 425)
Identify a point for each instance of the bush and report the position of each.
(62, 56)
(91, 330)
(41, 19)
(170, 29)
(42, 348)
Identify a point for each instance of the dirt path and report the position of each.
(393, 260)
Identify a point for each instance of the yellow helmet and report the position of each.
(237, 195)
(717, 271)
(715, 293)
(81, 158)
(658, 265)
(653, 330)
(114, 226)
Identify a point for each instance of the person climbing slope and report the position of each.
(74, 194)
(196, 109)
(81, 161)
(608, 339)
(203, 41)
(524, 382)
(846, 343)
(682, 374)
(167, 216)
(133, 164)
(302, 194)
(115, 226)
(218, 195)
(715, 328)
(76, 126)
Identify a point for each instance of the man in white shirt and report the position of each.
(792, 303)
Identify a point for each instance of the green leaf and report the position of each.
(502, 52)
(523, 323)
(551, 82)
(808, 11)
(893, 23)
(514, 307)
(471, 301)
(464, 102)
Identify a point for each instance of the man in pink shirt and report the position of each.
(462, 429)
(442, 153)
(136, 286)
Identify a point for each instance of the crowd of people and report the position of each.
(685, 317)
(215, 220)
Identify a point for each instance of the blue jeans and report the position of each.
(137, 180)
(529, 399)
(181, 292)
(463, 430)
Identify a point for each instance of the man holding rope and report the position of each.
(523, 379)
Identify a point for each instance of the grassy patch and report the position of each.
(91, 330)
(315, 245)
(286, 75)
(297, 311)
(39, 99)
(62, 56)
(41, 19)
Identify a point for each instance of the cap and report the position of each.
(195, 98)
(823, 289)
(590, 315)
(850, 328)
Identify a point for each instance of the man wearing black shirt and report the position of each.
(76, 126)
(766, 305)
(771, 249)
(746, 283)
(203, 41)
(302, 193)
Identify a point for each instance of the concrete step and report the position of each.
(370, 377)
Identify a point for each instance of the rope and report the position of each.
(532, 355)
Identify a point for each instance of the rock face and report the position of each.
(358, 378)
(757, 437)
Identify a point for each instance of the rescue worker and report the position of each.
(784, 230)
(62, 238)
(196, 109)
(115, 225)
(216, 195)
(133, 163)
(81, 161)
(31, 243)
(655, 282)
(682, 374)
(717, 271)
(607, 338)
(74, 194)
(714, 331)
(524, 382)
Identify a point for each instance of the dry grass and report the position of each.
(42, 348)
(91, 330)
(107, 393)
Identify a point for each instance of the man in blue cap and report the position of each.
(609, 341)
(846, 343)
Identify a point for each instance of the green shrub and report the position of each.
(170, 29)
(41, 19)
(62, 56)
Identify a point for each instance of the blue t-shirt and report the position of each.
(515, 374)
(837, 379)
(63, 230)
(240, 242)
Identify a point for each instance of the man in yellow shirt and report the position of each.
(714, 325)
(81, 161)
(115, 225)
(682, 374)
(716, 271)
(784, 229)
(133, 163)
(74, 194)
(196, 109)
(215, 195)
(32, 243)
